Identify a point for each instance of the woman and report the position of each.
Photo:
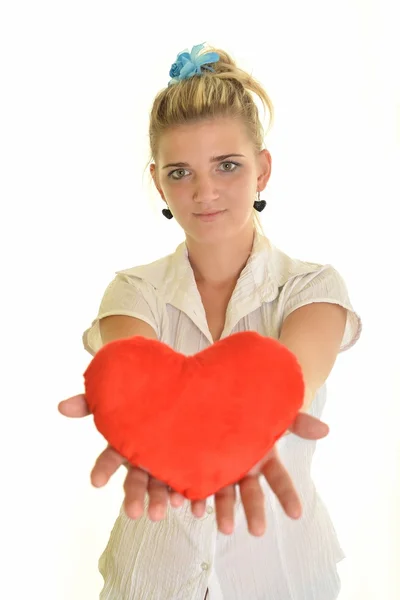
(225, 278)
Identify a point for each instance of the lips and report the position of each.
(208, 214)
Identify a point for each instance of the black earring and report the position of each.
(167, 213)
(259, 204)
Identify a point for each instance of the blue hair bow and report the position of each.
(187, 65)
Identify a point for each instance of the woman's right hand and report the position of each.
(137, 481)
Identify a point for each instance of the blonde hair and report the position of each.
(226, 92)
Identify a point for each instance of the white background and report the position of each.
(77, 83)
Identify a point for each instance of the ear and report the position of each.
(264, 169)
(153, 173)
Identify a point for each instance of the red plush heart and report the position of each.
(198, 422)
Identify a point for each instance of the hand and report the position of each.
(305, 426)
(137, 480)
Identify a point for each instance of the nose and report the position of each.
(204, 191)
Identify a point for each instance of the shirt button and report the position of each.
(204, 566)
(209, 509)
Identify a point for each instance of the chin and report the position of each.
(212, 234)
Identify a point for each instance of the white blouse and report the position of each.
(182, 556)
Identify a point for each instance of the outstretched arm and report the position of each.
(314, 333)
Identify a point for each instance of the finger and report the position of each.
(282, 485)
(135, 486)
(176, 499)
(74, 407)
(225, 509)
(198, 508)
(308, 427)
(253, 504)
(158, 499)
(256, 469)
(105, 466)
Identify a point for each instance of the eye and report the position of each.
(176, 171)
(229, 162)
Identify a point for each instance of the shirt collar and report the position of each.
(257, 283)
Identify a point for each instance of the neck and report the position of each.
(218, 265)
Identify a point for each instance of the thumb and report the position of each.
(74, 407)
(309, 427)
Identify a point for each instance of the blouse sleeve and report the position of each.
(325, 285)
(125, 295)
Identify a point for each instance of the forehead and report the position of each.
(216, 135)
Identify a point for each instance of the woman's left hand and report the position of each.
(305, 426)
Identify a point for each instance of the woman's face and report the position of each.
(210, 178)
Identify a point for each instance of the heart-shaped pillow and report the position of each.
(197, 422)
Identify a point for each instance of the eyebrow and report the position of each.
(212, 159)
